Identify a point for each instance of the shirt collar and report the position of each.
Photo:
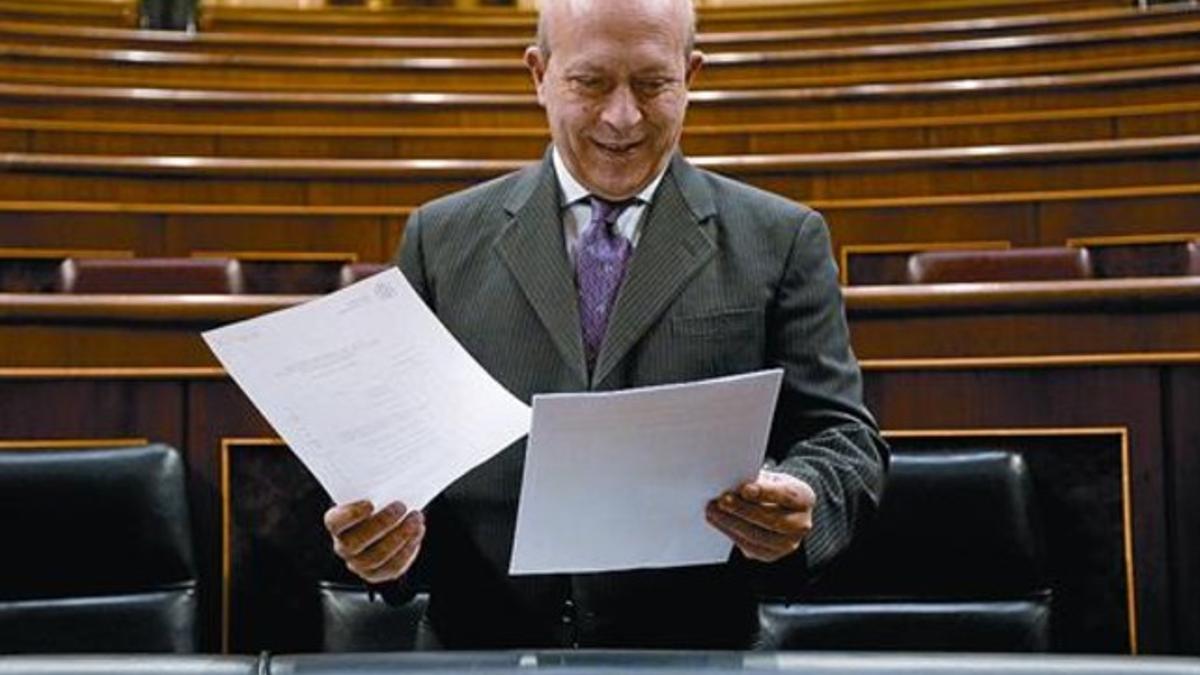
(572, 191)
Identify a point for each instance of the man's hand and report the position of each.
(767, 518)
(377, 546)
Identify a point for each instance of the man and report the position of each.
(612, 264)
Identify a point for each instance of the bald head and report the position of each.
(552, 13)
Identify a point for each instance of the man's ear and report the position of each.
(695, 63)
(537, 70)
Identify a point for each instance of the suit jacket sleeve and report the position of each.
(822, 434)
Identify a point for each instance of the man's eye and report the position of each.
(653, 86)
(588, 83)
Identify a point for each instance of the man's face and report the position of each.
(615, 90)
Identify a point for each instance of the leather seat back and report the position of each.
(151, 275)
(1017, 264)
(99, 555)
(953, 562)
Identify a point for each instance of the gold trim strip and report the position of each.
(55, 253)
(877, 365)
(280, 256)
(115, 373)
(1126, 490)
(1042, 361)
(1134, 239)
(69, 443)
(227, 526)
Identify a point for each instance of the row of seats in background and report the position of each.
(106, 562)
(44, 271)
(913, 114)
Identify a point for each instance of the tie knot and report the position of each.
(606, 211)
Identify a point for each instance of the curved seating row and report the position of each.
(1167, 84)
(393, 46)
(1170, 160)
(103, 137)
(1170, 43)
(218, 16)
(36, 271)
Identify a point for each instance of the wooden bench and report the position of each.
(492, 23)
(400, 46)
(868, 174)
(265, 140)
(885, 101)
(1174, 43)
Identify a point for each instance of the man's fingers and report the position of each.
(779, 489)
(386, 547)
(773, 518)
(743, 531)
(395, 567)
(343, 516)
(354, 539)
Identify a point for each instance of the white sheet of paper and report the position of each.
(619, 480)
(372, 393)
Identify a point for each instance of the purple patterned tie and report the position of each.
(600, 262)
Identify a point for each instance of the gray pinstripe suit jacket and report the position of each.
(725, 279)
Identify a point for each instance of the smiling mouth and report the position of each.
(618, 149)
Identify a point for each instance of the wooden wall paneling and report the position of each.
(987, 398)
(1081, 479)
(33, 343)
(60, 406)
(1020, 332)
(887, 264)
(65, 225)
(216, 411)
(299, 232)
(1167, 213)
(923, 221)
(274, 549)
(75, 141)
(1183, 471)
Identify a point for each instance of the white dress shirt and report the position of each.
(577, 209)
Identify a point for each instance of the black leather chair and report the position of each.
(954, 562)
(353, 620)
(98, 552)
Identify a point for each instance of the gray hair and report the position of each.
(543, 32)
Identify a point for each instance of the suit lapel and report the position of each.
(532, 247)
(671, 249)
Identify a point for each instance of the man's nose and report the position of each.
(621, 110)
